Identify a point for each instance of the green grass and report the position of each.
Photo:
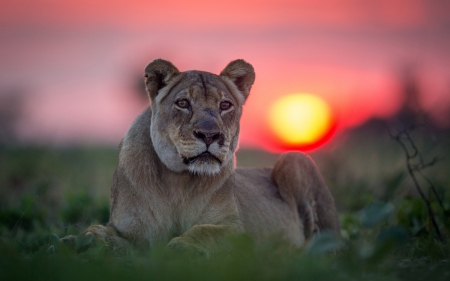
(46, 193)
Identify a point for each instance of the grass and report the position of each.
(46, 193)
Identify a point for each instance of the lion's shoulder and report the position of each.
(136, 152)
(139, 131)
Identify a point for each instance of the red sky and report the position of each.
(78, 60)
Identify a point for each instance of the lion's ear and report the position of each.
(157, 74)
(241, 74)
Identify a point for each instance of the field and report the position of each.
(387, 230)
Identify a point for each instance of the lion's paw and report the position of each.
(69, 240)
(179, 244)
(81, 243)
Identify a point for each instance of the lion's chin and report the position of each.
(203, 164)
(204, 169)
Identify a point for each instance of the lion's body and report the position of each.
(176, 182)
(264, 212)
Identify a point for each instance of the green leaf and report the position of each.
(374, 213)
(396, 235)
(323, 243)
(54, 239)
(83, 241)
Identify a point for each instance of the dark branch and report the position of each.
(412, 153)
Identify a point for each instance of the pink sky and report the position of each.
(77, 59)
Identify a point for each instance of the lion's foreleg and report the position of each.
(203, 238)
(109, 236)
(106, 235)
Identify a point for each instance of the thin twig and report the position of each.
(434, 191)
(404, 140)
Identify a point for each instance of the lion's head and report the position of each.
(195, 114)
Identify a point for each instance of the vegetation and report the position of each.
(387, 230)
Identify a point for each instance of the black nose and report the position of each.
(208, 137)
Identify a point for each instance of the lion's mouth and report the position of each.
(205, 156)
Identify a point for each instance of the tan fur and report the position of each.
(163, 193)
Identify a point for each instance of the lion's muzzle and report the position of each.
(205, 156)
(209, 137)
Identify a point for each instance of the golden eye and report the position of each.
(225, 105)
(182, 103)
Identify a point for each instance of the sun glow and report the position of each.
(300, 120)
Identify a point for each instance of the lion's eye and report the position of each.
(182, 103)
(225, 105)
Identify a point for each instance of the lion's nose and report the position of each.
(208, 137)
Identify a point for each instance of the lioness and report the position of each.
(176, 180)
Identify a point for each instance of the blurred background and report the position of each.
(71, 84)
(72, 71)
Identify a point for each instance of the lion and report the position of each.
(176, 182)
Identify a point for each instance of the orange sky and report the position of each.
(77, 59)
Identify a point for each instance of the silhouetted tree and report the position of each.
(411, 112)
(11, 104)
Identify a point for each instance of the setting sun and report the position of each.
(300, 120)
